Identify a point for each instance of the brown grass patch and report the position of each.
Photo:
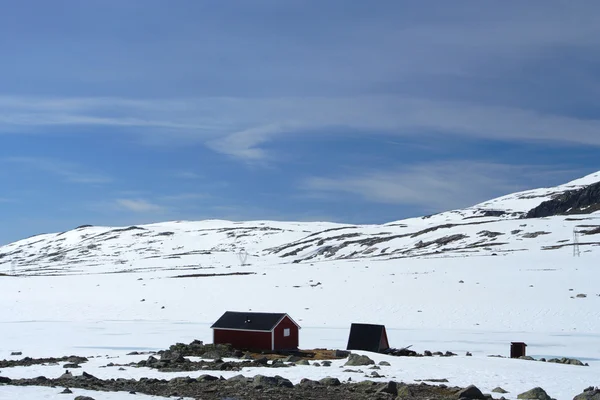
(313, 354)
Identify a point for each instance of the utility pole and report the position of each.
(576, 250)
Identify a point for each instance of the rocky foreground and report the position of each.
(210, 387)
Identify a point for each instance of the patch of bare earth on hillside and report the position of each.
(215, 274)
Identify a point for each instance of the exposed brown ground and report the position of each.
(313, 354)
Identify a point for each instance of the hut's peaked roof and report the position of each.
(366, 337)
(251, 321)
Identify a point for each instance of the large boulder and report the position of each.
(261, 381)
(590, 393)
(355, 360)
(328, 381)
(471, 392)
(391, 388)
(536, 393)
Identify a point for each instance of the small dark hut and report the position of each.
(517, 349)
(368, 337)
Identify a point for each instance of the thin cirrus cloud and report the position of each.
(139, 206)
(68, 171)
(260, 121)
(435, 186)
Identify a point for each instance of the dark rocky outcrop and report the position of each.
(258, 387)
(28, 361)
(536, 393)
(471, 392)
(580, 201)
(356, 360)
(590, 393)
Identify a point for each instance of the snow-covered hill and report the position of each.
(496, 227)
(464, 280)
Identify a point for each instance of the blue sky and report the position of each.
(122, 112)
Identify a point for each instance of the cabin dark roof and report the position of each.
(366, 337)
(252, 321)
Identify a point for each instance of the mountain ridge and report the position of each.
(534, 220)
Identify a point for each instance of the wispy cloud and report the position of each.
(435, 186)
(68, 171)
(260, 121)
(461, 71)
(185, 197)
(187, 175)
(139, 206)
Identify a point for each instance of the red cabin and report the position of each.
(256, 331)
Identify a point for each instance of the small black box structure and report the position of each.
(517, 349)
(368, 337)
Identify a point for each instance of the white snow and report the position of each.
(105, 292)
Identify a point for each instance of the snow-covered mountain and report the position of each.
(433, 281)
(534, 220)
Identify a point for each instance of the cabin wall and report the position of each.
(243, 339)
(286, 342)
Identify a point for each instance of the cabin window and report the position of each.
(286, 332)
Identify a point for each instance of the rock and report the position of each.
(292, 359)
(585, 200)
(384, 363)
(470, 392)
(527, 358)
(262, 360)
(499, 390)
(330, 381)
(84, 398)
(261, 381)
(374, 374)
(326, 363)
(70, 365)
(207, 378)
(357, 360)
(391, 387)
(427, 353)
(173, 356)
(238, 379)
(565, 360)
(214, 354)
(405, 392)
(341, 353)
(536, 393)
(66, 391)
(309, 382)
(77, 359)
(374, 367)
(66, 375)
(16, 353)
(303, 362)
(590, 393)
(85, 375)
(4, 380)
(316, 364)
